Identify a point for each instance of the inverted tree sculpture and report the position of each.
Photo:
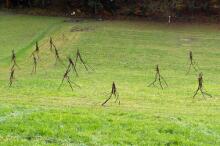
(79, 57)
(200, 87)
(51, 44)
(72, 66)
(36, 51)
(192, 63)
(11, 79)
(158, 77)
(13, 60)
(34, 69)
(57, 56)
(67, 78)
(113, 92)
(12, 70)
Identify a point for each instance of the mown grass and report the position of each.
(35, 112)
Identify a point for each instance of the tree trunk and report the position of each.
(8, 3)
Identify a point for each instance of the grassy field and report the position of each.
(35, 112)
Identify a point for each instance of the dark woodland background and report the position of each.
(157, 9)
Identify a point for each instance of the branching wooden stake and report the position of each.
(51, 44)
(79, 57)
(192, 63)
(13, 60)
(72, 65)
(114, 93)
(200, 87)
(159, 78)
(67, 78)
(36, 51)
(57, 56)
(34, 69)
(11, 79)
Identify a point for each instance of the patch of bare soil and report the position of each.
(80, 29)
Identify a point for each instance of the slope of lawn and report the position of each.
(35, 112)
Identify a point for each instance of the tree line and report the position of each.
(123, 7)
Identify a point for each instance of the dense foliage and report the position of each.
(124, 7)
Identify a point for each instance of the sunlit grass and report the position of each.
(35, 112)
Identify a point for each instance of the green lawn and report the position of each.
(35, 112)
